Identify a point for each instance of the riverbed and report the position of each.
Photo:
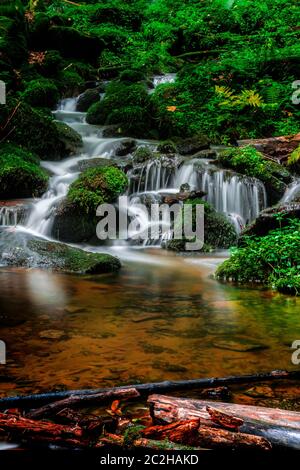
(163, 316)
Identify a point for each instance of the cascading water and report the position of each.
(239, 197)
(292, 193)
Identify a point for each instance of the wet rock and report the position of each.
(87, 98)
(70, 226)
(126, 147)
(192, 145)
(20, 249)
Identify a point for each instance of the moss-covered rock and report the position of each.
(20, 174)
(130, 76)
(41, 93)
(218, 231)
(250, 162)
(39, 132)
(31, 252)
(126, 106)
(97, 186)
(72, 224)
(119, 13)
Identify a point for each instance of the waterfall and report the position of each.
(12, 215)
(291, 193)
(240, 198)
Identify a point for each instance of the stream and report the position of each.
(163, 316)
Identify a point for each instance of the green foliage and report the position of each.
(272, 260)
(249, 161)
(41, 93)
(96, 186)
(294, 158)
(20, 174)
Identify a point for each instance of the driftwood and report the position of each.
(33, 401)
(280, 427)
(82, 400)
(193, 433)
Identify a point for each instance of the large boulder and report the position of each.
(218, 230)
(19, 249)
(272, 218)
(20, 174)
(72, 225)
(39, 132)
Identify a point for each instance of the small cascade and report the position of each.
(163, 79)
(12, 215)
(239, 197)
(292, 193)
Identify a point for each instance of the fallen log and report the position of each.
(194, 433)
(224, 420)
(279, 427)
(25, 427)
(82, 400)
(33, 401)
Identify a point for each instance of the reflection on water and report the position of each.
(152, 321)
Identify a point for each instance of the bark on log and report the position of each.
(275, 148)
(280, 427)
(223, 419)
(27, 427)
(193, 433)
(32, 401)
(82, 400)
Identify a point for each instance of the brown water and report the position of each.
(163, 318)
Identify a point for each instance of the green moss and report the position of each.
(20, 174)
(38, 131)
(218, 231)
(64, 258)
(128, 106)
(132, 76)
(250, 162)
(142, 154)
(41, 93)
(97, 186)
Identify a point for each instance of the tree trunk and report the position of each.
(280, 427)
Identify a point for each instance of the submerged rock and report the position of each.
(20, 249)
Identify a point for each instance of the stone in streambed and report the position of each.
(60, 257)
(22, 250)
(87, 98)
(52, 334)
(239, 346)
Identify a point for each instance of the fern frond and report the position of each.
(294, 157)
